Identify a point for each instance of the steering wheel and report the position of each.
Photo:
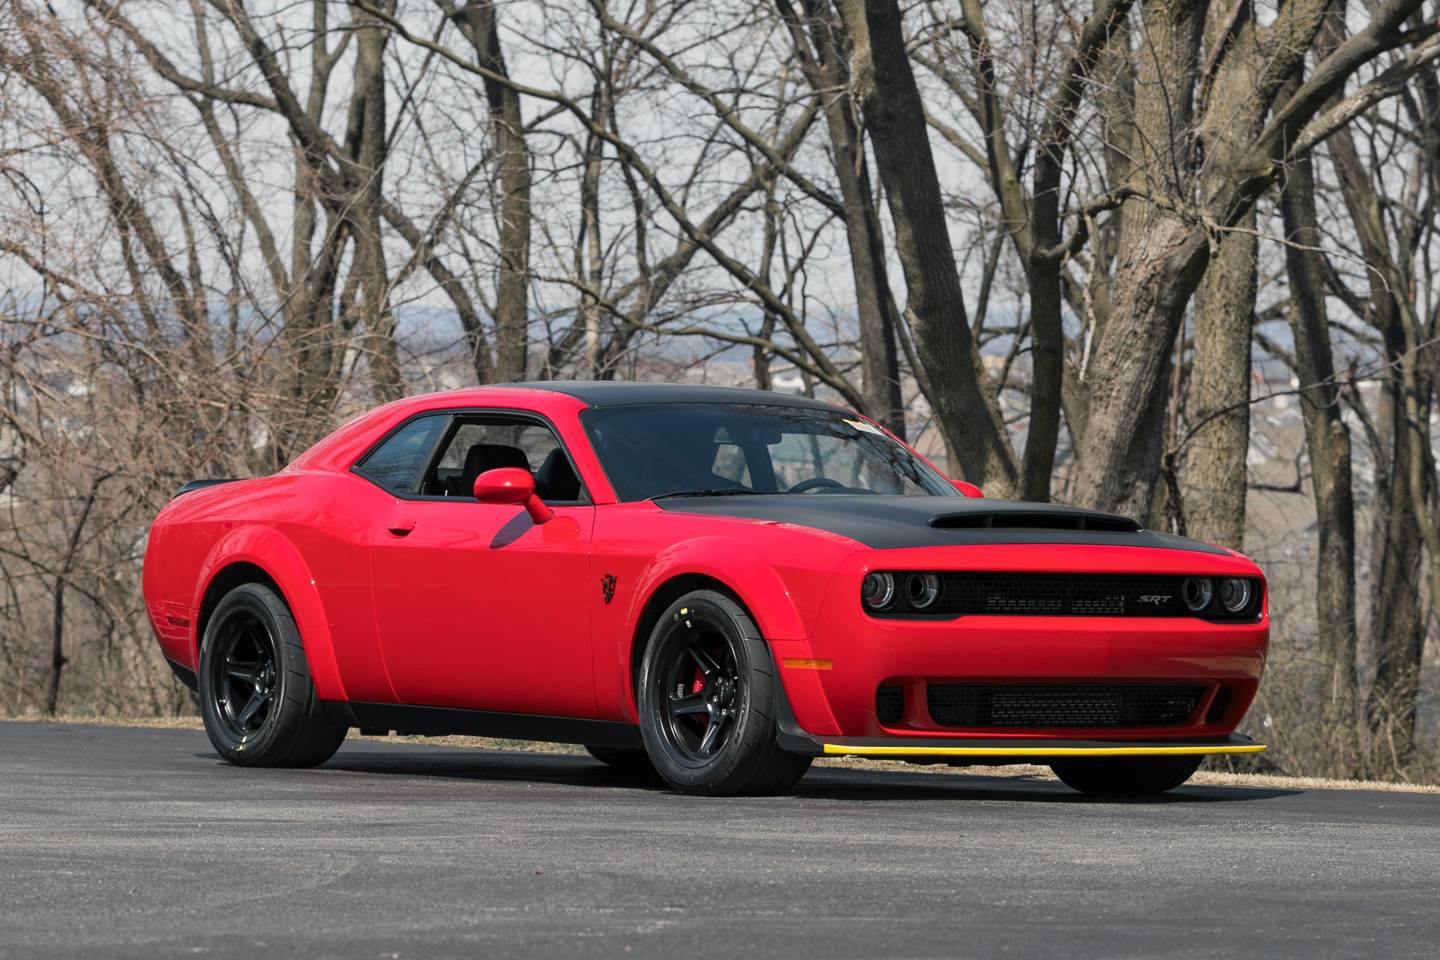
(815, 483)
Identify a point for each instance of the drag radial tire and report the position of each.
(1126, 776)
(259, 706)
(707, 693)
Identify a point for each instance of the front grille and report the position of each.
(1061, 594)
(890, 705)
(1062, 705)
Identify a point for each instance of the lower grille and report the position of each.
(890, 705)
(1062, 705)
(1218, 706)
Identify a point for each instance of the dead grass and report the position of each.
(1027, 771)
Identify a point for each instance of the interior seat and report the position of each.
(556, 480)
(489, 456)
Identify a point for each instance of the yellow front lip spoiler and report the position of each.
(1127, 750)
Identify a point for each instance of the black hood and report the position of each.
(886, 523)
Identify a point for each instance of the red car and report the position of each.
(720, 583)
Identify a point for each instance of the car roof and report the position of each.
(614, 393)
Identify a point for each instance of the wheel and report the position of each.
(706, 696)
(1126, 776)
(622, 758)
(259, 706)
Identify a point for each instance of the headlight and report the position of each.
(1196, 592)
(922, 590)
(1235, 595)
(877, 590)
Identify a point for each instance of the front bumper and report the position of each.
(830, 679)
(989, 750)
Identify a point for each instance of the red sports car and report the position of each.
(719, 583)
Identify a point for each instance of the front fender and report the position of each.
(272, 552)
(741, 568)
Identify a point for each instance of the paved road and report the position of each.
(125, 842)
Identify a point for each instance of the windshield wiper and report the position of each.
(724, 492)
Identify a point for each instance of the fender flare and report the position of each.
(740, 568)
(273, 553)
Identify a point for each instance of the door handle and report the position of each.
(402, 528)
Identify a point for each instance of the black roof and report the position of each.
(615, 393)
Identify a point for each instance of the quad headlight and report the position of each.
(877, 590)
(1235, 595)
(922, 590)
(1197, 593)
(1223, 598)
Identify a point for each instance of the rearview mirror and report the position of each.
(969, 489)
(512, 485)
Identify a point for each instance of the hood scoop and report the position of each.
(1035, 520)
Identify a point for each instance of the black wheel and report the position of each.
(707, 694)
(628, 759)
(1126, 776)
(256, 698)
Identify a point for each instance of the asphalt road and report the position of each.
(127, 842)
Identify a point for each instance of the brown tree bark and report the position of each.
(1160, 259)
(478, 20)
(818, 39)
(935, 310)
(1328, 441)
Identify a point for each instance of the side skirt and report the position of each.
(444, 721)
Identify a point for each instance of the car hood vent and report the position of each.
(1035, 520)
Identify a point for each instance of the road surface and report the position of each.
(140, 843)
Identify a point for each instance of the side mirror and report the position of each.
(969, 489)
(512, 485)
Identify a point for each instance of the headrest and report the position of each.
(491, 456)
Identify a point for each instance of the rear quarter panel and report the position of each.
(305, 531)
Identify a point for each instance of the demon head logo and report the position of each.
(607, 587)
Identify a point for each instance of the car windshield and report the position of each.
(732, 449)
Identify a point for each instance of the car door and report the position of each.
(476, 605)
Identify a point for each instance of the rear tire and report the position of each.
(1126, 776)
(256, 697)
(707, 692)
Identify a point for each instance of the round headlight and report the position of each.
(877, 590)
(1196, 592)
(922, 590)
(1235, 595)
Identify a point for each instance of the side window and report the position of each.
(396, 463)
(479, 444)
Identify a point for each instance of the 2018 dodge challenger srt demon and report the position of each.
(720, 583)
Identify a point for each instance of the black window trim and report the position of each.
(454, 416)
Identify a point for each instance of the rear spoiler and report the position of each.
(202, 484)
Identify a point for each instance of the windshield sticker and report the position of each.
(865, 427)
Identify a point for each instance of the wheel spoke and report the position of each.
(708, 667)
(241, 670)
(252, 706)
(688, 706)
(711, 740)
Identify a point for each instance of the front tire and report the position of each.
(707, 691)
(1126, 776)
(256, 697)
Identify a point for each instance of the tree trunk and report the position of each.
(1160, 261)
(478, 20)
(895, 117)
(1328, 441)
(829, 77)
(1213, 476)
